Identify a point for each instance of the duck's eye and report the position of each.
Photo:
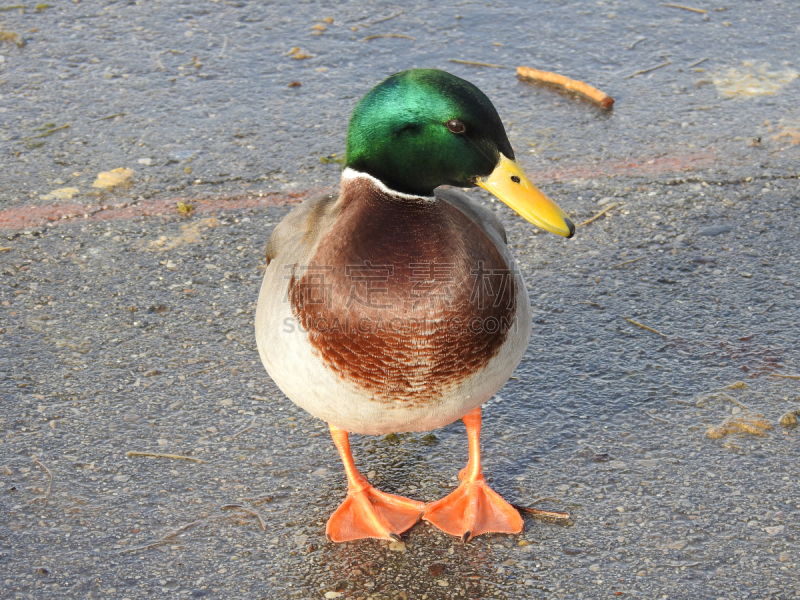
(456, 126)
(515, 179)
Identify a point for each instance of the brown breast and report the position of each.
(404, 298)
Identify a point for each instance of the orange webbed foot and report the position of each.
(370, 513)
(472, 509)
(367, 512)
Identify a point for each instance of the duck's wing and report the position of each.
(485, 218)
(293, 240)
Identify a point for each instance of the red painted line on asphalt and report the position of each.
(615, 168)
(37, 215)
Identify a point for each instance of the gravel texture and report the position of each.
(130, 329)
(132, 335)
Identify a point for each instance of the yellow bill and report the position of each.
(508, 183)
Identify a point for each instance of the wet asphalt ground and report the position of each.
(131, 329)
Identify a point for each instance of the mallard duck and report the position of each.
(396, 306)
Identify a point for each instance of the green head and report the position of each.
(423, 128)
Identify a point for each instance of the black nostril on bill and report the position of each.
(515, 179)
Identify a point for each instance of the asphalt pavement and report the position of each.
(649, 405)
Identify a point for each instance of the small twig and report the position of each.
(159, 455)
(107, 118)
(784, 376)
(628, 262)
(644, 326)
(734, 400)
(547, 515)
(766, 310)
(702, 11)
(645, 413)
(248, 511)
(145, 547)
(643, 71)
(202, 370)
(714, 393)
(165, 540)
(180, 529)
(633, 45)
(598, 215)
(49, 483)
(475, 64)
(702, 60)
(397, 14)
(601, 98)
(387, 35)
(5, 248)
(247, 428)
(782, 149)
(48, 132)
(224, 45)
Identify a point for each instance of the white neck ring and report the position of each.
(349, 174)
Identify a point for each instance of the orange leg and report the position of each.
(367, 512)
(473, 508)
